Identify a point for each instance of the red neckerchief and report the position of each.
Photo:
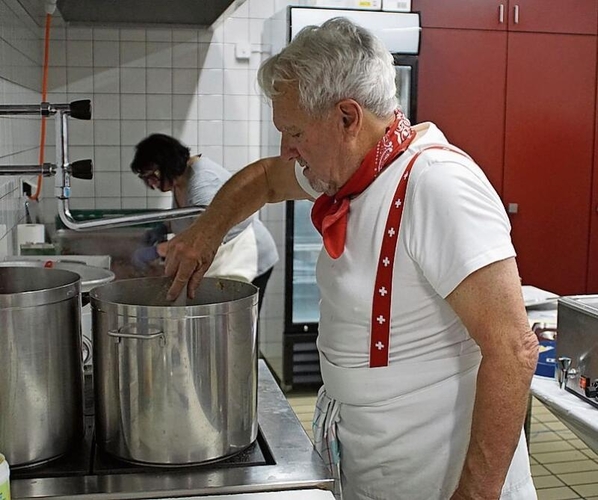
(329, 213)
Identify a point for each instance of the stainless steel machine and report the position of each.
(577, 346)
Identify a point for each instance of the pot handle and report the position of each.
(123, 332)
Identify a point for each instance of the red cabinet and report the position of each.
(548, 16)
(461, 88)
(549, 142)
(520, 97)
(467, 14)
(593, 252)
(553, 16)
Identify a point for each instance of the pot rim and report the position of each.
(49, 286)
(246, 296)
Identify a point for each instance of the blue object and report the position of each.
(143, 256)
(156, 234)
(546, 359)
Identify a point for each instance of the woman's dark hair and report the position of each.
(163, 152)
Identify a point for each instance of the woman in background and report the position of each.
(248, 251)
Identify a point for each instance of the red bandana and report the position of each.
(329, 213)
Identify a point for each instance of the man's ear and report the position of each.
(351, 115)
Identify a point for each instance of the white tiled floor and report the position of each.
(564, 468)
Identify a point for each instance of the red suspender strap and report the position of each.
(381, 303)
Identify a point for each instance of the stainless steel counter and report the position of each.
(280, 495)
(296, 466)
(578, 415)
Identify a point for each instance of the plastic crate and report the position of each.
(546, 359)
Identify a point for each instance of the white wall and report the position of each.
(184, 82)
(20, 81)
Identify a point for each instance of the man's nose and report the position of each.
(287, 150)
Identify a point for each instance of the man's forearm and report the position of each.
(244, 194)
(499, 412)
(268, 180)
(190, 254)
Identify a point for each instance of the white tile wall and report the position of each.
(20, 80)
(184, 82)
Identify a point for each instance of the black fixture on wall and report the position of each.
(143, 12)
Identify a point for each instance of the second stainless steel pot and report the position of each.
(175, 384)
(41, 374)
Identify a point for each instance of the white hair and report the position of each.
(337, 60)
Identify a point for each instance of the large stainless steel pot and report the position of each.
(41, 372)
(174, 384)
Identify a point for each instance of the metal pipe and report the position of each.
(63, 174)
(63, 193)
(25, 109)
(125, 220)
(44, 109)
(63, 179)
(46, 169)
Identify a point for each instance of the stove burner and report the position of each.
(88, 459)
(75, 463)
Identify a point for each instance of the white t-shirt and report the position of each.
(453, 224)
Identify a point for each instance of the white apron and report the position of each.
(237, 258)
(395, 445)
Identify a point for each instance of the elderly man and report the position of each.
(425, 348)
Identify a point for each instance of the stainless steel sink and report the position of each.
(118, 243)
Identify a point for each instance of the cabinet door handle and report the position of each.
(512, 208)
(501, 13)
(516, 14)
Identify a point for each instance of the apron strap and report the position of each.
(382, 299)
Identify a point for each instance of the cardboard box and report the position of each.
(396, 5)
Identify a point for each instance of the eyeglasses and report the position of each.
(151, 177)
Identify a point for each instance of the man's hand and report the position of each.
(188, 257)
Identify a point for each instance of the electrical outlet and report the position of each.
(243, 50)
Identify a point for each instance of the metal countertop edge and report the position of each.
(297, 466)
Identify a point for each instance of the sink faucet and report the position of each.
(565, 371)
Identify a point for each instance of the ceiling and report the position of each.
(35, 9)
(201, 13)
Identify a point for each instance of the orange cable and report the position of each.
(42, 145)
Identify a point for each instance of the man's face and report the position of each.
(316, 144)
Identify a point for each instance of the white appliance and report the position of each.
(400, 32)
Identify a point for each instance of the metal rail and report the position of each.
(63, 170)
(46, 169)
